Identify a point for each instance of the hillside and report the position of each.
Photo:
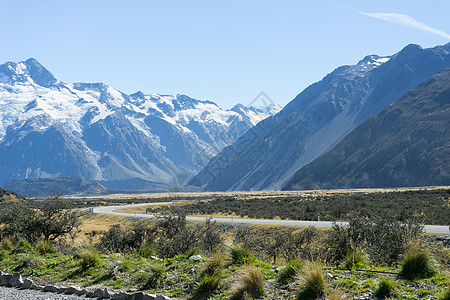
(407, 144)
(270, 153)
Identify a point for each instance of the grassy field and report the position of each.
(249, 262)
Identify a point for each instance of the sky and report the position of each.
(224, 51)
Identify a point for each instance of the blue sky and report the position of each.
(224, 51)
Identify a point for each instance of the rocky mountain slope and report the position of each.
(270, 153)
(49, 128)
(407, 144)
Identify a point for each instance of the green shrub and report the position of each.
(209, 283)
(214, 264)
(29, 262)
(445, 295)
(89, 257)
(6, 244)
(288, 273)
(417, 264)
(354, 260)
(252, 285)
(314, 285)
(23, 246)
(240, 256)
(384, 289)
(146, 251)
(44, 247)
(156, 277)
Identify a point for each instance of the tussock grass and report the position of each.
(240, 256)
(252, 285)
(289, 273)
(354, 260)
(417, 264)
(384, 289)
(313, 286)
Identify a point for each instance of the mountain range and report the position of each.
(49, 128)
(271, 153)
(406, 144)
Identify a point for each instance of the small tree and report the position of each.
(49, 219)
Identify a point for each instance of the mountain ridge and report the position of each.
(406, 144)
(319, 117)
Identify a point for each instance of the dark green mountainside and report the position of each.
(44, 187)
(407, 144)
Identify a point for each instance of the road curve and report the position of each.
(112, 210)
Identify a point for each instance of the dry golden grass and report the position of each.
(98, 222)
(247, 195)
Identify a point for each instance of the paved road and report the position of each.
(111, 210)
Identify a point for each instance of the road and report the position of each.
(112, 210)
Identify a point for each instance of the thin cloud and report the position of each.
(407, 21)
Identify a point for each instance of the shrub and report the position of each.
(288, 273)
(354, 260)
(417, 264)
(6, 244)
(156, 277)
(314, 285)
(445, 295)
(44, 247)
(214, 264)
(384, 289)
(90, 257)
(23, 246)
(209, 283)
(240, 255)
(252, 285)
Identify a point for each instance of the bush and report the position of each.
(135, 239)
(6, 244)
(209, 283)
(289, 273)
(417, 264)
(354, 260)
(314, 285)
(252, 285)
(23, 246)
(384, 289)
(445, 295)
(156, 277)
(89, 257)
(214, 265)
(44, 247)
(240, 255)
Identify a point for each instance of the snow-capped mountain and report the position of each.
(270, 153)
(49, 128)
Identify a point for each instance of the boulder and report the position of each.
(197, 257)
(51, 288)
(27, 284)
(162, 297)
(121, 296)
(16, 280)
(4, 280)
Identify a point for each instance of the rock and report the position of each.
(81, 292)
(197, 257)
(16, 280)
(137, 296)
(155, 258)
(72, 290)
(106, 294)
(51, 288)
(37, 287)
(149, 297)
(161, 297)
(27, 284)
(121, 296)
(4, 280)
(330, 275)
(98, 293)
(90, 295)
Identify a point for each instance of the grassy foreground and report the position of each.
(238, 269)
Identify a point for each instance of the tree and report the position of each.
(50, 219)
